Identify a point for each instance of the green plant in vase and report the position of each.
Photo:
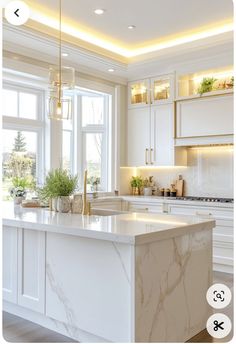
(59, 185)
(136, 184)
(206, 85)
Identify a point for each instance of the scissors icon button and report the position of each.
(218, 325)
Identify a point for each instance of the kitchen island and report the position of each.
(124, 278)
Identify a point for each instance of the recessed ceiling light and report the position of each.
(99, 11)
(131, 27)
(111, 70)
(65, 54)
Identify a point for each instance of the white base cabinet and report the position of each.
(24, 268)
(31, 269)
(9, 264)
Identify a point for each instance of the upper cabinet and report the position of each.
(206, 83)
(208, 116)
(162, 89)
(154, 91)
(139, 93)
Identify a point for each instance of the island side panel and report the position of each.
(88, 286)
(171, 280)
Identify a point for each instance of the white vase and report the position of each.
(54, 204)
(63, 204)
(18, 200)
(147, 191)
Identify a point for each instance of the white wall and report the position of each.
(209, 173)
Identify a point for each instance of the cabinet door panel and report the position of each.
(163, 134)
(9, 264)
(205, 117)
(31, 269)
(138, 136)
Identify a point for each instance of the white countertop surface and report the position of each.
(131, 228)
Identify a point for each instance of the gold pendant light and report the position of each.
(60, 78)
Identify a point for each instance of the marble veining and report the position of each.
(162, 298)
(116, 247)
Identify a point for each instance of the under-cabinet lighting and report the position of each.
(214, 149)
(219, 75)
(160, 167)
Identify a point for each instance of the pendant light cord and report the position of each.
(60, 62)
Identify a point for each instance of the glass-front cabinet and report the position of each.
(157, 90)
(139, 93)
(208, 82)
(162, 89)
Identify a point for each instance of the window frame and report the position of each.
(103, 129)
(30, 125)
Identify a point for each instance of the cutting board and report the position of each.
(179, 185)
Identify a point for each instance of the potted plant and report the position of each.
(147, 188)
(18, 191)
(59, 185)
(136, 185)
(206, 85)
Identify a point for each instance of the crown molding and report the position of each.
(27, 43)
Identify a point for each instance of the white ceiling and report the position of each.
(154, 19)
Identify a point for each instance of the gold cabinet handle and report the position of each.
(151, 151)
(146, 156)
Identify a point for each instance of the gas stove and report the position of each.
(206, 199)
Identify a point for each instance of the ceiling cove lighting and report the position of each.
(60, 78)
(109, 45)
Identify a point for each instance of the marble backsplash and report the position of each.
(209, 173)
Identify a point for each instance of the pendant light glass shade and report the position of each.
(65, 75)
(59, 107)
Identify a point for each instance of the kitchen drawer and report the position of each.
(210, 212)
(145, 207)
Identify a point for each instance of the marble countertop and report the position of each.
(130, 228)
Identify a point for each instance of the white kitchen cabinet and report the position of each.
(222, 233)
(139, 122)
(9, 266)
(206, 116)
(31, 269)
(151, 137)
(153, 91)
(137, 207)
(163, 151)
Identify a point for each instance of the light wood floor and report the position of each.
(18, 330)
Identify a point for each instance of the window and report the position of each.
(86, 142)
(95, 117)
(22, 159)
(19, 104)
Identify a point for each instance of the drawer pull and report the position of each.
(203, 214)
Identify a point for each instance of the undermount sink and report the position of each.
(106, 212)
